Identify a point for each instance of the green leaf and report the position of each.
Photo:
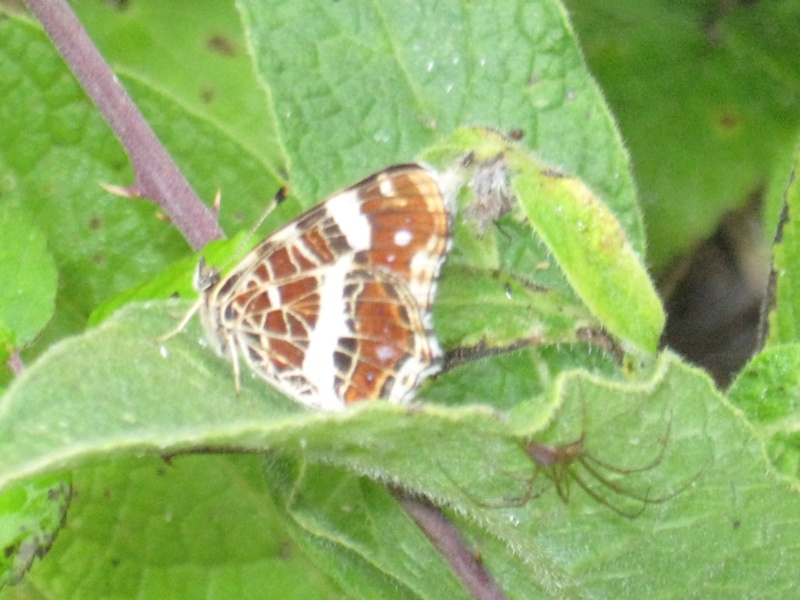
(582, 549)
(58, 150)
(387, 81)
(767, 391)
(582, 235)
(27, 280)
(594, 253)
(784, 317)
(31, 515)
(706, 96)
(191, 527)
(329, 508)
(177, 280)
(174, 396)
(355, 87)
(498, 309)
(138, 418)
(203, 64)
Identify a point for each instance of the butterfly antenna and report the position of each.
(279, 197)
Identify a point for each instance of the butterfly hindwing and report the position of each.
(334, 307)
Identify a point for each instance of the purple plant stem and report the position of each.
(447, 539)
(157, 176)
(15, 363)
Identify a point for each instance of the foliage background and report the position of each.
(705, 95)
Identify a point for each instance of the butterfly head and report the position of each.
(205, 277)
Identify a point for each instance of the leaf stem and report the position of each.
(447, 539)
(156, 175)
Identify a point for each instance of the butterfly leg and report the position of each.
(231, 344)
(182, 325)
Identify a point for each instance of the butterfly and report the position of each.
(334, 308)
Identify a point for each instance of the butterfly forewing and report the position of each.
(334, 308)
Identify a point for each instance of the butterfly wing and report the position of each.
(334, 308)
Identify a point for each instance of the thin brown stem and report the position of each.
(157, 176)
(447, 539)
(15, 363)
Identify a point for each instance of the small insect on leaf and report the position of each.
(621, 453)
(620, 459)
(571, 464)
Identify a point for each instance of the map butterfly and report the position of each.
(334, 308)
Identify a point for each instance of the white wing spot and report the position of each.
(345, 210)
(402, 237)
(387, 187)
(386, 353)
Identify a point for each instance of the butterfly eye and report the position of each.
(205, 277)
